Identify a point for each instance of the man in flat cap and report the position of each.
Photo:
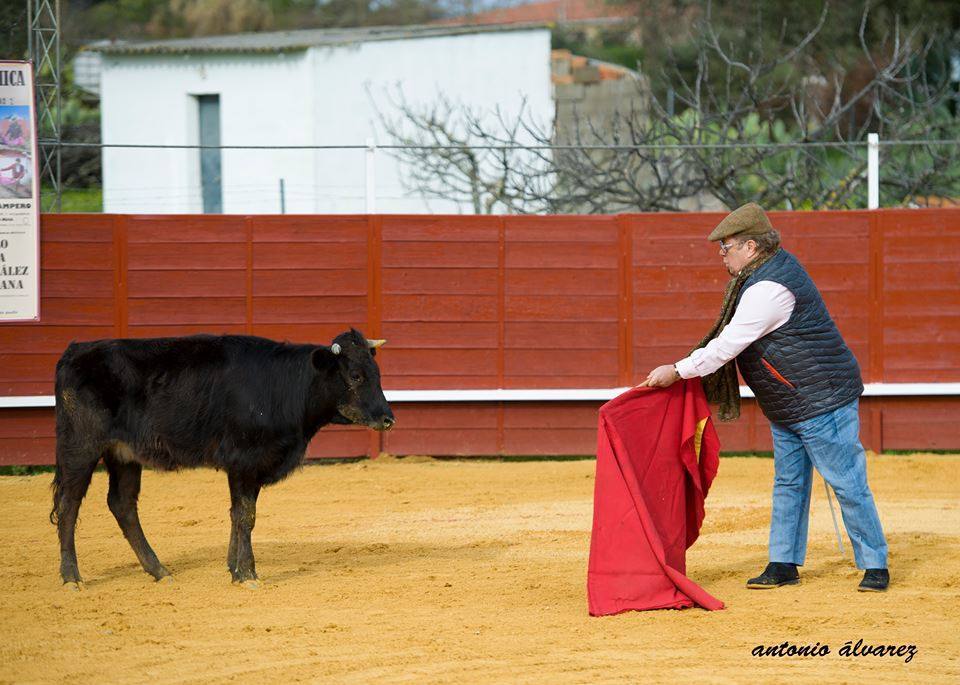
(774, 324)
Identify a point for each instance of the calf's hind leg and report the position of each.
(232, 549)
(70, 484)
(122, 500)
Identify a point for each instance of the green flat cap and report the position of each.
(747, 220)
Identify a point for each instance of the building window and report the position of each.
(208, 107)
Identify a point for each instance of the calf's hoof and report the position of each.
(160, 574)
(166, 580)
(241, 577)
(73, 586)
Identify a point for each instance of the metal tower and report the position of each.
(43, 39)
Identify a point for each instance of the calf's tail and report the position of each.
(61, 418)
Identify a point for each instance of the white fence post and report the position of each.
(371, 177)
(873, 171)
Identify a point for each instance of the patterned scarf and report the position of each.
(721, 387)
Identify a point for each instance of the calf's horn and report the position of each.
(335, 348)
(374, 344)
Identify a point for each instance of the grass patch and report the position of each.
(79, 200)
(24, 470)
(331, 461)
(907, 453)
(510, 458)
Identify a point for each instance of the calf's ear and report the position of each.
(324, 358)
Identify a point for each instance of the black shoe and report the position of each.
(774, 575)
(874, 580)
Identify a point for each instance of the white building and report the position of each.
(297, 88)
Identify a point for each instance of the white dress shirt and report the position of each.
(764, 307)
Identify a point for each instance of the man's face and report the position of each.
(737, 253)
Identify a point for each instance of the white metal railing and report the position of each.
(553, 394)
(370, 191)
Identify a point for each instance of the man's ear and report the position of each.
(325, 358)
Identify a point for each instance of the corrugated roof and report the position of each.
(288, 41)
(557, 11)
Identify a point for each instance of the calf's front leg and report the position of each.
(243, 517)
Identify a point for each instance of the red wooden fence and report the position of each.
(490, 302)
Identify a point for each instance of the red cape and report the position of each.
(657, 454)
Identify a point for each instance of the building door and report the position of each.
(210, 179)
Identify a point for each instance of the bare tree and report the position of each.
(456, 153)
(764, 123)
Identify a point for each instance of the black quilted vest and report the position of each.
(802, 369)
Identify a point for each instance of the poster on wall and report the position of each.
(19, 196)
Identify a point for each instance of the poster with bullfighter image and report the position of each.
(19, 196)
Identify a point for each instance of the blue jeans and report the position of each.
(831, 443)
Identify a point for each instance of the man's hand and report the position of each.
(661, 377)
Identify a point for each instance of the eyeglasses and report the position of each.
(724, 249)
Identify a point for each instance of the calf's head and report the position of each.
(359, 397)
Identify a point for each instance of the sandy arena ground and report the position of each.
(453, 571)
